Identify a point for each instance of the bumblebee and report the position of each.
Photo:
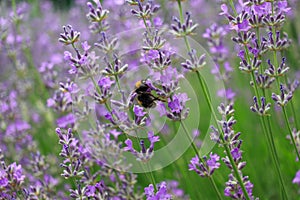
(144, 96)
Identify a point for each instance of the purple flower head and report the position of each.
(161, 194)
(157, 21)
(105, 82)
(128, 146)
(94, 191)
(177, 107)
(3, 179)
(212, 162)
(149, 56)
(153, 139)
(66, 121)
(296, 179)
(283, 6)
(205, 167)
(17, 173)
(144, 154)
(69, 36)
(244, 25)
(17, 127)
(139, 111)
(181, 29)
(85, 46)
(67, 56)
(173, 189)
(224, 9)
(236, 153)
(283, 98)
(228, 94)
(69, 87)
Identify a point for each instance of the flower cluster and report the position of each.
(161, 193)
(145, 154)
(207, 166)
(238, 184)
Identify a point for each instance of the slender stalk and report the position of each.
(13, 5)
(207, 97)
(294, 114)
(181, 20)
(152, 179)
(176, 167)
(118, 83)
(227, 149)
(215, 188)
(293, 107)
(197, 153)
(190, 139)
(232, 7)
(259, 42)
(183, 125)
(290, 132)
(275, 158)
(270, 140)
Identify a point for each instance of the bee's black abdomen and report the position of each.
(142, 89)
(146, 100)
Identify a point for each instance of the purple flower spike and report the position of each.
(145, 154)
(205, 167)
(296, 179)
(161, 194)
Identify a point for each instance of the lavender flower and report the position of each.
(71, 153)
(177, 109)
(263, 109)
(69, 36)
(280, 71)
(206, 166)
(11, 179)
(195, 63)
(296, 179)
(234, 191)
(161, 193)
(145, 154)
(181, 29)
(296, 137)
(231, 142)
(282, 99)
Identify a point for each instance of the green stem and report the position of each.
(276, 160)
(181, 21)
(270, 138)
(207, 97)
(176, 167)
(255, 85)
(39, 83)
(197, 153)
(99, 91)
(151, 176)
(227, 149)
(259, 42)
(118, 83)
(13, 5)
(290, 132)
(293, 107)
(190, 139)
(152, 179)
(183, 125)
(232, 7)
(215, 187)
